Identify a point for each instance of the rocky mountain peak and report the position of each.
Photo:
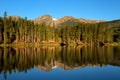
(47, 19)
(15, 18)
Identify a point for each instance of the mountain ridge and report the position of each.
(49, 20)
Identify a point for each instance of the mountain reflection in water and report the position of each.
(47, 58)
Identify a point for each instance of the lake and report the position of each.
(60, 63)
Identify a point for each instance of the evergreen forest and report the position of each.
(26, 31)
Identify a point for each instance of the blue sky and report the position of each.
(88, 9)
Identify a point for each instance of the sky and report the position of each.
(88, 9)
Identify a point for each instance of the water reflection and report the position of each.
(47, 58)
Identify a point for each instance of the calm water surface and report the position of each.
(60, 63)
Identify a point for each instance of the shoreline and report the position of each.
(52, 44)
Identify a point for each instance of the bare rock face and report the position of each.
(15, 18)
(48, 20)
(65, 20)
(89, 21)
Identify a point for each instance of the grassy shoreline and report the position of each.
(48, 44)
(29, 44)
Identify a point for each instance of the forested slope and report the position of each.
(67, 30)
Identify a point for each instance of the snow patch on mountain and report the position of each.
(54, 19)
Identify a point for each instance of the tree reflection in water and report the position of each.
(47, 58)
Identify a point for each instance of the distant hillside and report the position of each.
(114, 23)
(49, 20)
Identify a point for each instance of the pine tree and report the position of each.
(1, 29)
(5, 28)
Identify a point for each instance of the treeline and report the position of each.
(45, 58)
(22, 30)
